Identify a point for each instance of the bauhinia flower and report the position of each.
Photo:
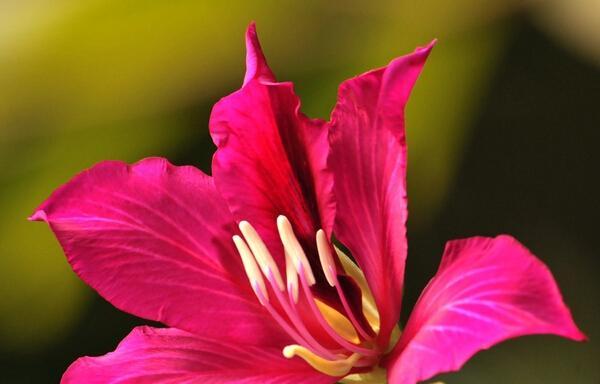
(243, 268)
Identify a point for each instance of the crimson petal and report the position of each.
(155, 241)
(171, 356)
(486, 290)
(368, 159)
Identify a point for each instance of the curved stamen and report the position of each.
(286, 327)
(368, 302)
(293, 247)
(321, 319)
(254, 276)
(262, 254)
(327, 263)
(272, 274)
(307, 279)
(297, 322)
(344, 330)
(324, 249)
(258, 285)
(339, 367)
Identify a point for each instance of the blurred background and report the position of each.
(503, 133)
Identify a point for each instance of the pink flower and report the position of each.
(241, 267)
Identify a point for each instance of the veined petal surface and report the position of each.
(155, 240)
(271, 159)
(171, 356)
(486, 290)
(368, 159)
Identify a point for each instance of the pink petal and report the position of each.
(152, 355)
(368, 159)
(155, 241)
(486, 290)
(256, 64)
(271, 159)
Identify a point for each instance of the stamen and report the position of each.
(293, 248)
(325, 257)
(324, 249)
(292, 278)
(355, 347)
(339, 367)
(292, 314)
(254, 276)
(261, 252)
(326, 327)
(286, 327)
(299, 331)
(368, 301)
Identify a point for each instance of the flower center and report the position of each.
(349, 344)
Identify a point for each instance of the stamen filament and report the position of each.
(330, 331)
(258, 286)
(286, 327)
(324, 249)
(355, 347)
(350, 314)
(368, 302)
(271, 275)
(299, 325)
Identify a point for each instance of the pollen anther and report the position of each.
(324, 249)
(294, 249)
(261, 253)
(254, 276)
(292, 277)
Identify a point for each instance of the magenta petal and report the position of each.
(368, 159)
(271, 159)
(153, 355)
(155, 241)
(486, 290)
(256, 64)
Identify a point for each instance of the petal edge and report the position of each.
(486, 290)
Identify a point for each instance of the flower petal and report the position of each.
(271, 159)
(256, 64)
(486, 290)
(155, 241)
(153, 355)
(368, 159)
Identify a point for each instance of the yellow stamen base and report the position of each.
(339, 367)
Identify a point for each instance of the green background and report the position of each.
(503, 133)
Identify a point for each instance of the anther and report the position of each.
(294, 249)
(292, 277)
(261, 253)
(325, 257)
(254, 276)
